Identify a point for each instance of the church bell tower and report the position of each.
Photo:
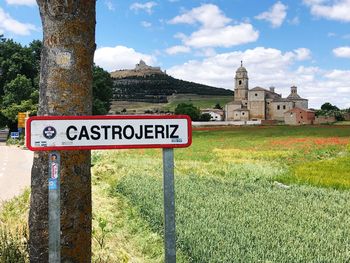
(241, 84)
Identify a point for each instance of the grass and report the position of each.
(342, 123)
(245, 195)
(200, 101)
(14, 230)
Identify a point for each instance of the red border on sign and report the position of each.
(108, 117)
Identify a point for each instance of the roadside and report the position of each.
(15, 167)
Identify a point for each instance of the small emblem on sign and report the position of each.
(49, 132)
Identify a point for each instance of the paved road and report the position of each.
(15, 166)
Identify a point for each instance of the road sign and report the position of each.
(49, 133)
(21, 119)
(14, 135)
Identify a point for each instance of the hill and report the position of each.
(141, 107)
(150, 84)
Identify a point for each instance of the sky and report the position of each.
(281, 43)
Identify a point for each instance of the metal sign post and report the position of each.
(54, 208)
(169, 205)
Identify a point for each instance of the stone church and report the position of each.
(259, 103)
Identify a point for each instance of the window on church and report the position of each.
(256, 94)
(242, 113)
(278, 107)
(284, 107)
(240, 82)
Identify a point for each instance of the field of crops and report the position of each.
(200, 101)
(252, 194)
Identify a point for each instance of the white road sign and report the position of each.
(108, 132)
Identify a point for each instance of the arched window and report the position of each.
(240, 82)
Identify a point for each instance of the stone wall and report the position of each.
(276, 110)
(303, 104)
(324, 119)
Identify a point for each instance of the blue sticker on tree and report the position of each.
(54, 170)
(53, 184)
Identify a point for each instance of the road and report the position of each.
(15, 166)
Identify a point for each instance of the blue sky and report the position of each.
(282, 43)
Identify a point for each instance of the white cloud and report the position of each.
(342, 52)
(21, 2)
(177, 49)
(275, 15)
(147, 7)
(302, 54)
(270, 67)
(338, 74)
(8, 24)
(214, 30)
(227, 36)
(110, 5)
(208, 15)
(120, 57)
(330, 9)
(146, 24)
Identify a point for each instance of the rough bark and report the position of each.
(65, 89)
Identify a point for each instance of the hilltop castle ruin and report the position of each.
(141, 70)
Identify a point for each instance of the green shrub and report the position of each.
(14, 246)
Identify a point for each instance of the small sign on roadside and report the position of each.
(21, 119)
(14, 135)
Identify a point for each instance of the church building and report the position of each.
(259, 103)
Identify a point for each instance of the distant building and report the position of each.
(143, 66)
(141, 70)
(298, 116)
(259, 103)
(216, 114)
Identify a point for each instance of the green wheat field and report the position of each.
(243, 194)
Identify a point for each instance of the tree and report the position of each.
(205, 117)
(102, 90)
(329, 107)
(188, 109)
(218, 106)
(19, 67)
(65, 89)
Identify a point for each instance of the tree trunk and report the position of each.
(65, 89)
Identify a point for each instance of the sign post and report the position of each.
(169, 206)
(54, 208)
(55, 133)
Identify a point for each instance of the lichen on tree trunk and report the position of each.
(65, 89)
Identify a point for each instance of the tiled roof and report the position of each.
(299, 109)
(258, 89)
